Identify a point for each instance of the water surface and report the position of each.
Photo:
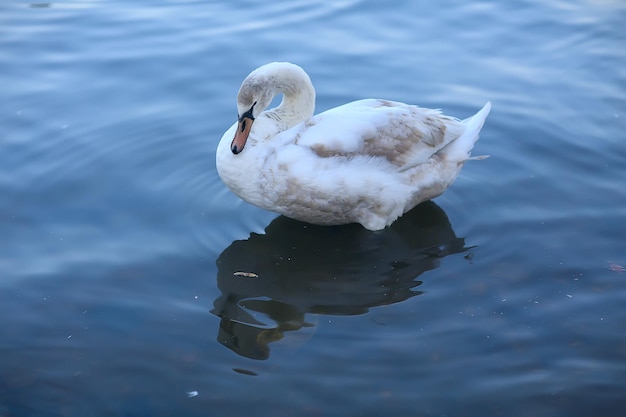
(134, 283)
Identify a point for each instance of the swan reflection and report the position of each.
(270, 282)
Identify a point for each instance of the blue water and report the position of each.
(133, 283)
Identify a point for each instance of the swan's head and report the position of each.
(258, 90)
(254, 96)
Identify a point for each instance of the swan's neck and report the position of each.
(298, 103)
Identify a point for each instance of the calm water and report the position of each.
(134, 284)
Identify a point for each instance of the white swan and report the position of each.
(365, 162)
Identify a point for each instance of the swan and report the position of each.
(367, 161)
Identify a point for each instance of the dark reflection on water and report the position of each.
(269, 282)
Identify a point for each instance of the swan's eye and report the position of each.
(248, 114)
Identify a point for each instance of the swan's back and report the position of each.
(402, 134)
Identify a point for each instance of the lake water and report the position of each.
(133, 283)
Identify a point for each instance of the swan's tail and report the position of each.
(459, 149)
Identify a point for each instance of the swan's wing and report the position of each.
(400, 133)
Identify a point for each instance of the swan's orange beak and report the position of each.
(241, 135)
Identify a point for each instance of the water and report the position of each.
(134, 283)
